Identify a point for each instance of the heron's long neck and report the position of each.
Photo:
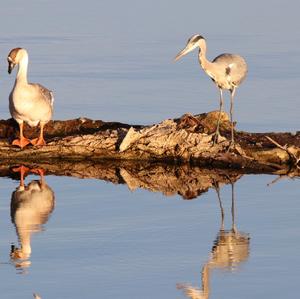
(204, 62)
(22, 72)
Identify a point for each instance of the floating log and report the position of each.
(188, 139)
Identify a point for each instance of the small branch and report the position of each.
(290, 150)
(277, 144)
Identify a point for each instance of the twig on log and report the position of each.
(291, 150)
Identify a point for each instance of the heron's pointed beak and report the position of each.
(185, 51)
(11, 66)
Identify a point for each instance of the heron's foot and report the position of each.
(22, 142)
(231, 146)
(217, 137)
(38, 141)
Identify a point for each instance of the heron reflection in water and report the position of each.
(31, 206)
(230, 249)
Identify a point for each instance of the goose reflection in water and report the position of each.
(31, 206)
(230, 249)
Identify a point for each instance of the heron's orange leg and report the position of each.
(40, 140)
(22, 142)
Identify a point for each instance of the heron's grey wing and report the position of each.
(47, 94)
(234, 67)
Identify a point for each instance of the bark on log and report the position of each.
(187, 139)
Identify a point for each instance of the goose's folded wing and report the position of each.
(46, 93)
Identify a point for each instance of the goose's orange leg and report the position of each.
(23, 172)
(22, 142)
(40, 172)
(40, 140)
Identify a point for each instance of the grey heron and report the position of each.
(227, 71)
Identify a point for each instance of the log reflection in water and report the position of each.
(186, 180)
(230, 249)
(189, 182)
(31, 206)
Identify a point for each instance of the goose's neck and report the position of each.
(22, 71)
(24, 238)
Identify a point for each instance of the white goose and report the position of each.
(31, 205)
(29, 102)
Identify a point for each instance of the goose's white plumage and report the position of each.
(31, 206)
(28, 102)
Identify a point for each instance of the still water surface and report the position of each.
(102, 240)
(136, 81)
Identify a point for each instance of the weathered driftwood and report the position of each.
(187, 139)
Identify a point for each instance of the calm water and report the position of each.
(105, 241)
(111, 60)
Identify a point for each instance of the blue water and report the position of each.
(103, 240)
(113, 60)
(139, 83)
